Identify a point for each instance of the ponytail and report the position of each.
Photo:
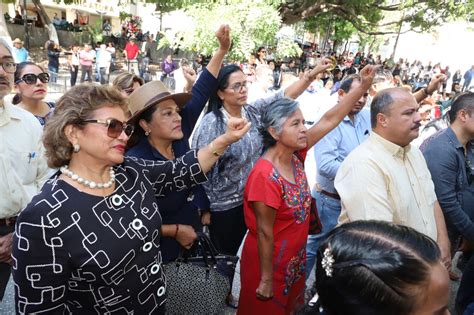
(16, 99)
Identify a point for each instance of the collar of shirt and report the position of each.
(453, 139)
(8, 113)
(394, 149)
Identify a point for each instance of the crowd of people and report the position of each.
(112, 181)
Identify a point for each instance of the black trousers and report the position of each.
(5, 269)
(74, 70)
(227, 229)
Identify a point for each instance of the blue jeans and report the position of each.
(329, 210)
(53, 72)
(465, 296)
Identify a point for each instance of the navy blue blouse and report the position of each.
(181, 207)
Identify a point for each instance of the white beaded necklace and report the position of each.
(91, 184)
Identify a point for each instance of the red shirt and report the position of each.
(131, 50)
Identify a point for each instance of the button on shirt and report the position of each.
(446, 161)
(331, 150)
(380, 180)
(23, 167)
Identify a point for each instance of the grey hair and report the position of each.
(274, 116)
(5, 44)
(380, 104)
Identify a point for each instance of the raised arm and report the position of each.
(190, 168)
(224, 38)
(433, 86)
(295, 90)
(335, 115)
(207, 82)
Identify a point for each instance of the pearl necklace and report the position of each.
(91, 184)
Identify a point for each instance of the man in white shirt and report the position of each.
(104, 58)
(23, 168)
(386, 178)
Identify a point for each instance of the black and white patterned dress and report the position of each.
(78, 253)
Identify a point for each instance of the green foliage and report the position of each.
(287, 48)
(378, 17)
(253, 24)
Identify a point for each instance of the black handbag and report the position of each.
(201, 284)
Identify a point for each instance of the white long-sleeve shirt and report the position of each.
(23, 167)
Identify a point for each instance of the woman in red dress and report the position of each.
(276, 206)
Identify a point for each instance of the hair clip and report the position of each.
(327, 262)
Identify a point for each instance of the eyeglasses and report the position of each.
(114, 127)
(8, 65)
(237, 87)
(469, 172)
(31, 78)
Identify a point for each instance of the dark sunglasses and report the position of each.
(114, 127)
(31, 78)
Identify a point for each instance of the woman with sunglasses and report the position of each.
(31, 85)
(89, 243)
(163, 127)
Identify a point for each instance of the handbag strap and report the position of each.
(206, 244)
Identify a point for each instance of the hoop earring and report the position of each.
(147, 133)
(76, 147)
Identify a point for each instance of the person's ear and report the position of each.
(144, 125)
(220, 94)
(382, 120)
(273, 133)
(72, 133)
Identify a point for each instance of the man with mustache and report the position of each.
(23, 169)
(330, 152)
(386, 178)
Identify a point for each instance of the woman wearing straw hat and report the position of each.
(163, 125)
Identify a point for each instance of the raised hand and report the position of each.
(435, 83)
(236, 129)
(367, 75)
(324, 65)
(224, 38)
(190, 76)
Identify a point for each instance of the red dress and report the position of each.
(292, 203)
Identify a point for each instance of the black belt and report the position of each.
(332, 195)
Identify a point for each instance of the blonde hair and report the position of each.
(75, 106)
(125, 80)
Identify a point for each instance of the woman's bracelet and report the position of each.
(214, 151)
(176, 232)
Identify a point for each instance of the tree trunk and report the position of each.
(53, 35)
(3, 27)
